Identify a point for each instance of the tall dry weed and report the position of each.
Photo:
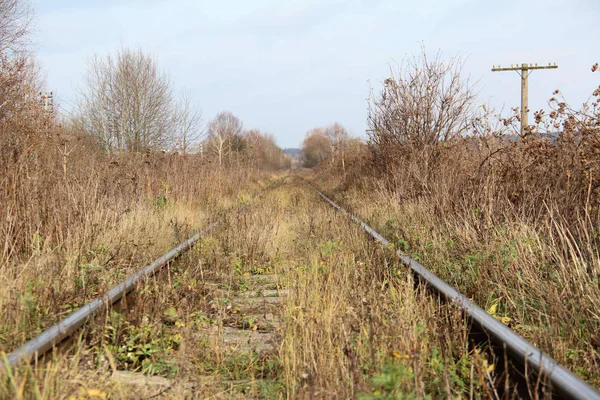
(510, 220)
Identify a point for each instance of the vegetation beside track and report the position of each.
(350, 324)
(511, 221)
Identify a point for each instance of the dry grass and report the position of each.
(353, 323)
(512, 222)
(46, 289)
(531, 259)
(71, 233)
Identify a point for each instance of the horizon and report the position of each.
(287, 67)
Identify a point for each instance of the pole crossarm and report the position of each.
(520, 67)
(524, 70)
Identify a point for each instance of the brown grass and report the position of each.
(72, 227)
(511, 222)
(353, 323)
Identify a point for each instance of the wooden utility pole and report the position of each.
(523, 70)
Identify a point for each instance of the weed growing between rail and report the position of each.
(113, 240)
(357, 328)
(58, 277)
(326, 314)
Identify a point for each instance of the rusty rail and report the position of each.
(52, 336)
(565, 384)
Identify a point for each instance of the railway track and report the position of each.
(522, 359)
(52, 336)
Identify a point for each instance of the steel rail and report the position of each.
(564, 382)
(52, 336)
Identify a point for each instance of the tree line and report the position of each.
(126, 104)
(332, 143)
(129, 105)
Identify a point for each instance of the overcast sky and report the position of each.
(286, 66)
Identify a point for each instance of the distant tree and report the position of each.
(254, 140)
(188, 124)
(316, 147)
(224, 132)
(339, 138)
(128, 103)
(264, 152)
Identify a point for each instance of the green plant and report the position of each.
(145, 348)
(391, 384)
(329, 248)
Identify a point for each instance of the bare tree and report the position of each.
(19, 75)
(423, 102)
(128, 103)
(20, 84)
(316, 147)
(222, 132)
(339, 138)
(254, 139)
(424, 105)
(264, 152)
(189, 123)
(15, 17)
